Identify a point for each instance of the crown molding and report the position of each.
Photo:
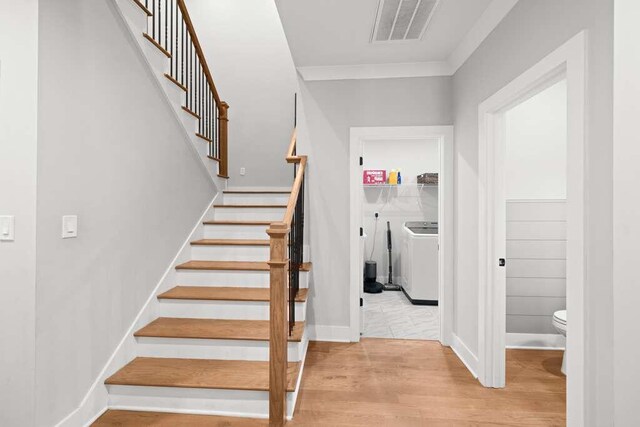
(375, 71)
(488, 21)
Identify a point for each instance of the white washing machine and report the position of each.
(419, 262)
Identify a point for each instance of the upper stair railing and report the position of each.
(170, 28)
(286, 261)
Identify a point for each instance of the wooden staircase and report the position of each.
(207, 351)
(227, 336)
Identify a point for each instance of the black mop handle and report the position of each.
(389, 248)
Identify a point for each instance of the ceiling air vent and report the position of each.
(399, 20)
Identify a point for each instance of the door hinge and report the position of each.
(502, 262)
(361, 161)
(361, 302)
(361, 232)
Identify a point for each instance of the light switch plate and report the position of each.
(7, 228)
(69, 226)
(242, 171)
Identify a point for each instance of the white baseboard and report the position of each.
(465, 355)
(329, 333)
(296, 393)
(96, 400)
(536, 341)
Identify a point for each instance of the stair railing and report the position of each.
(286, 260)
(170, 28)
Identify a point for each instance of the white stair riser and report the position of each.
(134, 15)
(158, 60)
(249, 214)
(211, 349)
(237, 310)
(230, 253)
(190, 123)
(175, 94)
(192, 400)
(235, 232)
(256, 199)
(250, 279)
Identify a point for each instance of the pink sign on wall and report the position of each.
(373, 177)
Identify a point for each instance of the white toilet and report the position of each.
(560, 323)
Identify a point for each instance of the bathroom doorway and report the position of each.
(503, 222)
(409, 212)
(535, 176)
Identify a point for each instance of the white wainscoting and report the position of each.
(536, 271)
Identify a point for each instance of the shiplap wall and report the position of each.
(536, 264)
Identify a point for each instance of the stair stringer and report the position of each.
(96, 401)
(135, 20)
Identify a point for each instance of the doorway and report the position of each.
(400, 205)
(566, 63)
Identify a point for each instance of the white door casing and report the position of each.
(568, 62)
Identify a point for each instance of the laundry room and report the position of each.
(400, 209)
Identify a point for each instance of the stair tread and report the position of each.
(232, 265)
(231, 242)
(257, 191)
(238, 222)
(220, 329)
(242, 206)
(200, 373)
(224, 294)
(124, 418)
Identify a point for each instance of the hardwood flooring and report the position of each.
(420, 383)
(381, 382)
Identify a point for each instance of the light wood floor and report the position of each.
(380, 382)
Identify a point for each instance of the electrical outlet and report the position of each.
(242, 171)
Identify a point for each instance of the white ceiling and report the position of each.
(335, 35)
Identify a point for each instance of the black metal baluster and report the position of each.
(166, 25)
(153, 19)
(171, 49)
(190, 59)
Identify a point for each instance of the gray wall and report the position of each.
(536, 264)
(530, 31)
(251, 63)
(18, 148)
(331, 108)
(111, 151)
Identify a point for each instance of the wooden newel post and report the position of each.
(278, 339)
(223, 120)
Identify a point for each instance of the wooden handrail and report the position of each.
(171, 30)
(291, 152)
(196, 43)
(279, 281)
(291, 205)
